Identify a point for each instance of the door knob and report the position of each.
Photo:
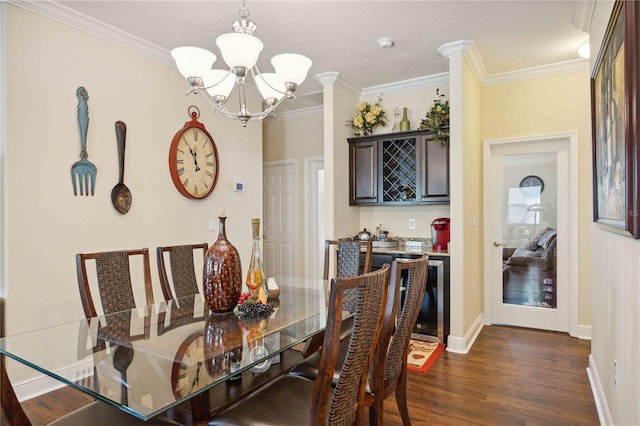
(497, 244)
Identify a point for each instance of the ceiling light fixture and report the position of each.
(584, 51)
(240, 51)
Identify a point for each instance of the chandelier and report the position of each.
(240, 51)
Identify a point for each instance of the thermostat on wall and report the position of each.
(238, 187)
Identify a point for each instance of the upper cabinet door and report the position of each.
(435, 172)
(363, 173)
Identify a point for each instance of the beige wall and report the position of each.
(550, 105)
(295, 140)
(615, 300)
(45, 225)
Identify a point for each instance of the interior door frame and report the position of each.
(313, 224)
(571, 239)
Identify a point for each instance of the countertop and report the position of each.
(402, 250)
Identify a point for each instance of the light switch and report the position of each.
(412, 224)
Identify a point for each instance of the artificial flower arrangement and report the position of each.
(367, 118)
(437, 118)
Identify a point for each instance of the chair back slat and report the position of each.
(115, 287)
(348, 257)
(335, 405)
(182, 267)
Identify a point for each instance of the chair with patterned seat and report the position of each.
(182, 267)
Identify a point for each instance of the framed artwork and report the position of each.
(614, 110)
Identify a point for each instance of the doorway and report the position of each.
(280, 207)
(531, 221)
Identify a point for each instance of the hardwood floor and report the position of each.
(511, 376)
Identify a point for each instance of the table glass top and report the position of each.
(152, 358)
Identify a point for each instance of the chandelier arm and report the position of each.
(253, 74)
(214, 84)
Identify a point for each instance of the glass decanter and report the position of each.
(256, 278)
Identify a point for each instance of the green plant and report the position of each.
(437, 117)
(367, 118)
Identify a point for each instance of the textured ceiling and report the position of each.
(342, 36)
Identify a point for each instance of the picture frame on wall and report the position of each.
(614, 110)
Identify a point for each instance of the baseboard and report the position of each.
(598, 393)
(584, 332)
(41, 384)
(461, 345)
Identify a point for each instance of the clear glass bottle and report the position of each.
(256, 278)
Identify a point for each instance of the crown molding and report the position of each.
(584, 15)
(60, 13)
(537, 72)
(332, 78)
(297, 113)
(469, 51)
(406, 85)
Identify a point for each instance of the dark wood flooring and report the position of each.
(511, 376)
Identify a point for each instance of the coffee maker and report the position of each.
(440, 233)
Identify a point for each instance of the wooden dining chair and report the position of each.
(347, 257)
(388, 372)
(347, 264)
(95, 413)
(291, 399)
(114, 282)
(182, 267)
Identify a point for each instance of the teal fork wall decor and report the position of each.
(83, 172)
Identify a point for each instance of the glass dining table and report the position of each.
(153, 358)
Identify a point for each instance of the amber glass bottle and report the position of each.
(256, 278)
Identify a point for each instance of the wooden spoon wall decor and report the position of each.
(120, 194)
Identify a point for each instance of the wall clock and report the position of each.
(189, 372)
(193, 159)
(532, 180)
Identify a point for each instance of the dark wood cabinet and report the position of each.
(434, 172)
(363, 173)
(398, 169)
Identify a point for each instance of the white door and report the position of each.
(280, 209)
(530, 233)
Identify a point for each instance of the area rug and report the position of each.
(422, 355)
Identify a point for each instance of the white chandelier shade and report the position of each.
(219, 82)
(291, 67)
(240, 51)
(193, 61)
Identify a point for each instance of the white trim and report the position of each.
(599, 397)
(461, 345)
(79, 21)
(42, 384)
(297, 113)
(584, 332)
(311, 167)
(536, 72)
(406, 85)
(335, 79)
(573, 241)
(584, 15)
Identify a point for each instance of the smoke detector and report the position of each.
(385, 42)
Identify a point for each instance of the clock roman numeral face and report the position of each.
(195, 162)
